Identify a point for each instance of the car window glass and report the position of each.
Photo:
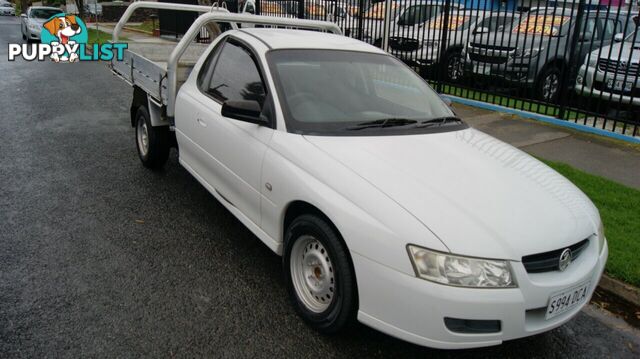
(43, 13)
(207, 66)
(236, 76)
(418, 14)
(250, 8)
(495, 23)
(589, 29)
(606, 28)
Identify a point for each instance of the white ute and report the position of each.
(385, 207)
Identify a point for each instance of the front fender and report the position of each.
(371, 224)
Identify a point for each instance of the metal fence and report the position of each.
(577, 61)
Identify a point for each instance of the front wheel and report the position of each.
(548, 85)
(152, 142)
(455, 66)
(319, 275)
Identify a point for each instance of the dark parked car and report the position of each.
(536, 51)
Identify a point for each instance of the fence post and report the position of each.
(258, 10)
(567, 74)
(385, 29)
(360, 19)
(301, 9)
(443, 46)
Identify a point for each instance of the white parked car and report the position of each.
(385, 206)
(7, 9)
(31, 21)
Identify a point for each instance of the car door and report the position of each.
(227, 153)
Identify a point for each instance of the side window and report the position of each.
(589, 29)
(606, 28)
(207, 66)
(236, 76)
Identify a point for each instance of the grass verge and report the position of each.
(146, 26)
(101, 37)
(619, 207)
(506, 101)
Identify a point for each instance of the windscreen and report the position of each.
(418, 14)
(377, 11)
(547, 24)
(44, 13)
(325, 91)
(456, 22)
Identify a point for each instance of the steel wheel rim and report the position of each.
(312, 274)
(550, 86)
(143, 137)
(455, 68)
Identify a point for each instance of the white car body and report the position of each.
(31, 26)
(460, 192)
(7, 9)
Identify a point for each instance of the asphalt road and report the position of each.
(100, 257)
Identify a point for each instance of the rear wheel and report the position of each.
(319, 275)
(153, 143)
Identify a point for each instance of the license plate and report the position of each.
(566, 300)
(619, 85)
(482, 69)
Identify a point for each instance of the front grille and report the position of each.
(619, 67)
(491, 47)
(548, 261)
(488, 59)
(403, 44)
(489, 54)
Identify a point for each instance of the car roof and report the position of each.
(303, 39)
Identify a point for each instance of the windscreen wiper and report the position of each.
(438, 121)
(386, 122)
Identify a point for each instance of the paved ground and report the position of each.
(598, 155)
(100, 257)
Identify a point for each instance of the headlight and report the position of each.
(527, 52)
(601, 238)
(34, 27)
(593, 60)
(460, 271)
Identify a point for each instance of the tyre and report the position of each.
(455, 66)
(319, 275)
(548, 85)
(24, 37)
(153, 143)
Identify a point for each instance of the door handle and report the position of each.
(201, 122)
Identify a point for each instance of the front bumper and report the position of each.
(591, 82)
(424, 56)
(414, 309)
(512, 71)
(33, 35)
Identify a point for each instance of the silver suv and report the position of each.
(612, 72)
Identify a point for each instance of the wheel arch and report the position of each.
(297, 208)
(556, 62)
(139, 99)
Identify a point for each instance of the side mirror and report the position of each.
(618, 37)
(247, 111)
(24, 16)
